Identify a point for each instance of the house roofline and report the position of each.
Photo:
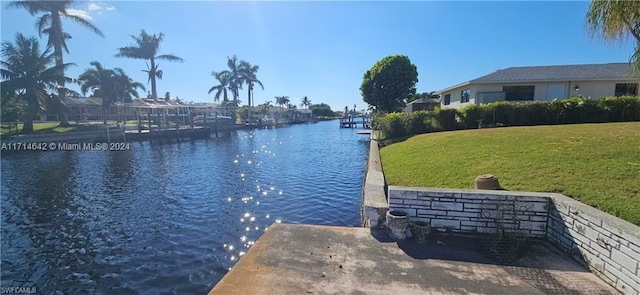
(454, 87)
(472, 82)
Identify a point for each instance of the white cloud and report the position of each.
(80, 13)
(93, 6)
(99, 6)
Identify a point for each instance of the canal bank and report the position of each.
(557, 253)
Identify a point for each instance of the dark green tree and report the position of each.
(389, 83)
(29, 75)
(321, 110)
(111, 85)
(50, 24)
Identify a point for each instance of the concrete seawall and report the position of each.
(374, 197)
(607, 245)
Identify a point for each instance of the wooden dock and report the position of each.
(174, 134)
(354, 122)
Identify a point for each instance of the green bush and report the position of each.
(393, 125)
(473, 115)
(621, 109)
(420, 122)
(446, 119)
(502, 113)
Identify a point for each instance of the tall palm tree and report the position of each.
(305, 102)
(234, 74)
(146, 47)
(223, 84)
(248, 76)
(615, 20)
(50, 24)
(29, 74)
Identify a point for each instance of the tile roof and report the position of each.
(612, 71)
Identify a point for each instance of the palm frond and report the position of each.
(85, 23)
(169, 57)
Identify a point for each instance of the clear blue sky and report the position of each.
(322, 49)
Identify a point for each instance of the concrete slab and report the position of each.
(308, 259)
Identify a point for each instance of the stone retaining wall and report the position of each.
(473, 211)
(609, 246)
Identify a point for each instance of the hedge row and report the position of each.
(565, 111)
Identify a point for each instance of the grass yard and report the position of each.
(598, 164)
(50, 127)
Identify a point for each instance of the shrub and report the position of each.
(419, 122)
(393, 125)
(472, 115)
(565, 111)
(624, 108)
(446, 119)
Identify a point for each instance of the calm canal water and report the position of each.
(170, 218)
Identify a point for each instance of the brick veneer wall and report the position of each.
(609, 246)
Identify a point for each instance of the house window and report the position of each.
(517, 93)
(464, 95)
(447, 99)
(623, 89)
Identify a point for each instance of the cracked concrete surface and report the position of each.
(309, 259)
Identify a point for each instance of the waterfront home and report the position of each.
(543, 83)
(422, 104)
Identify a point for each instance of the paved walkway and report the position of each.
(307, 259)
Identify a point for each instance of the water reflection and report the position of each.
(173, 217)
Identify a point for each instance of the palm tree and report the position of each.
(125, 88)
(282, 101)
(113, 85)
(146, 47)
(305, 102)
(223, 84)
(234, 74)
(28, 73)
(265, 107)
(99, 80)
(248, 76)
(615, 20)
(50, 24)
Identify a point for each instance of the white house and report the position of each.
(543, 83)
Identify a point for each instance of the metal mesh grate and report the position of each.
(509, 241)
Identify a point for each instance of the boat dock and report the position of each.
(354, 122)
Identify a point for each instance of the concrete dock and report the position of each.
(310, 259)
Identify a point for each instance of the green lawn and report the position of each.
(598, 164)
(51, 127)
